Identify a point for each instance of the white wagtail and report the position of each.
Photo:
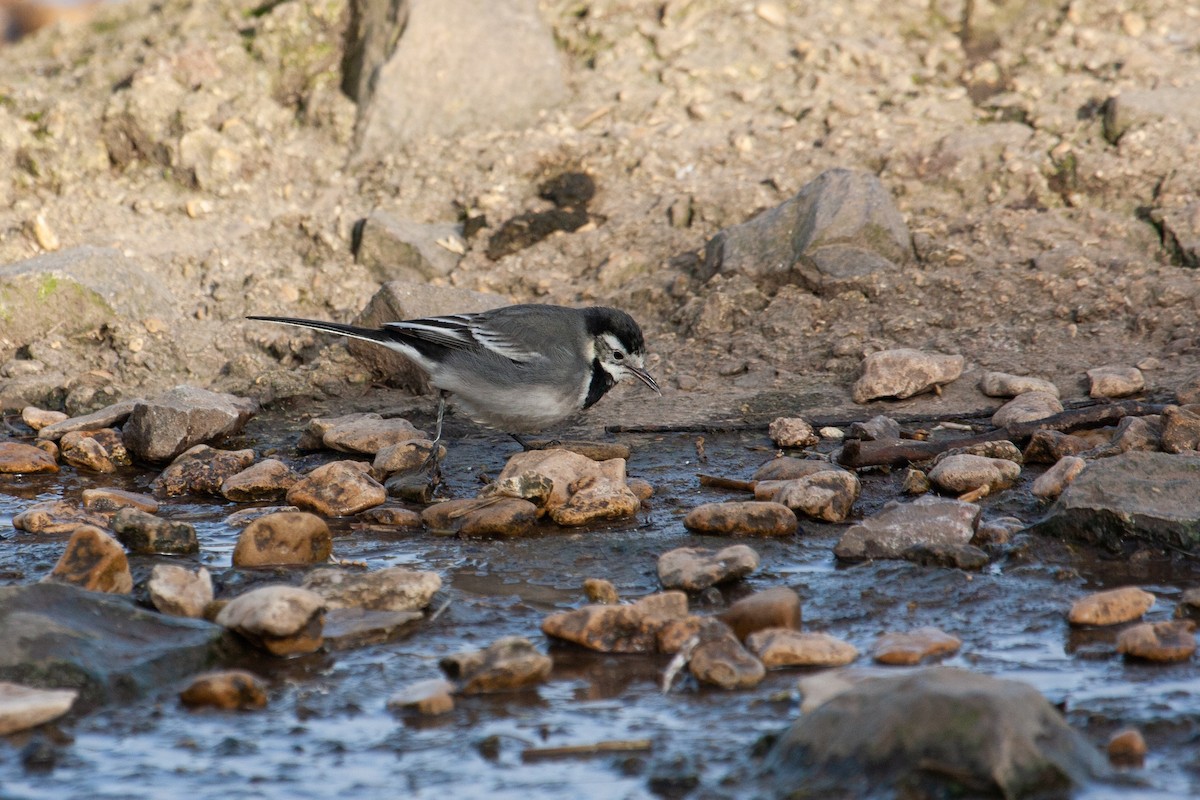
(518, 369)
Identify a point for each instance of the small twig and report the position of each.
(595, 748)
(717, 482)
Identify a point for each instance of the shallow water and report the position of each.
(327, 731)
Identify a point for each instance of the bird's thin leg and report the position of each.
(432, 458)
(525, 445)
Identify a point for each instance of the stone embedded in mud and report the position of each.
(57, 516)
(201, 470)
(599, 590)
(1181, 429)
(785, 647)
(903, 373)
(926, 520)
(24, 707)
(230, 689)
(38, 418)
(956, 556)
(746, 518)
(916, 482)
(1189, 604)
(885, 731)
(694, 569)
(1127, 748)
(337, 489)
(95, 561)
(965, 472)
(642, 490)
(1111, 607)
(1027, 407)
(878, 428)
(268, 479)
(912, 647)
(404, 456)
(18, 458)
(792, 432)
(580, 490)
(108, 500)
(777, 607)
(429, 697)
(83, 451)
(1115, 381)
(283, 620)
(1047, 447)
(509, 663)
(162, 427)
(1055, 480)
(146, 533)
(387, 589)
(1173, 640)
(786, 468)
(481, 517)
(178, 591)
(1001, 384)
(365, 433)
(828, 495)
(284, 538)
(723, 662)
(1118, 500)
(629, 628)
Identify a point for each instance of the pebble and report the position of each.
(229, 689)
(792, 432)
(582, 490)
(828, 495)
(1002, 384)
(1171, 640)
(404, 456)
(23, 707)
(777, 607)
(926, 520)
(337, 489)
(1127, 748)
(956, 556)
(1047, 447)
(17, 458)
(1115, 381)
(676, 633)
(743, 518)
(1187, 393)
(724, 662)
(786, 468)
(1054, 481)
(1181, 429)
(391, 517)
(165, 426)
(429, 697)
(631, 628)
(107, 500)
(916, 482)
(903, 373)
(268, 479)
(1111, 607)
(1189, 604)
(83, 451)
(878, 428)
(284, 538)
(1001, 449)
(784, 647)
(106, 417)
(694, 569)
(599, 590)
(38, 418)
(179, 591)
(387, 589)
(642, 490)
(1027, 407)
(509, 663)
(146, 533)
(56, 516)
(964, 472)
(912, 647)
(491, 517)
(366, 433)
(201, 470)
(283, 620)
(94, 561)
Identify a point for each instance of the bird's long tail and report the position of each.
(353, 331)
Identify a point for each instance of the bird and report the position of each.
(520, 368)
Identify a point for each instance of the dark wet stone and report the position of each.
(432, 696)
(337, 489)
(777, 607)
(507, 664)
(285, 538)
(347, 628)
(1153, 497)
(232, 689)
(746, 518)
(61, 636)
(886, 732)
(694, 569)
(1171, 640)
(201, 470)
(568, 189)
(725, 663)
(877, 428)
(146, 533)
(95, 561)
(525, 230)
(959, 556)
(926, 520)
(161, 428)
(618, 629)
(19, 458)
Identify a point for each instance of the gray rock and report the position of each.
(74, 291)
(23, 707)
(1181, 232)
(162, 427)
(178, 591)
(1001, 384)
(827, 495)
(694, 569)
(395, 249)
(106, 417)
(145, 533)
(1153, 497)
(375, 26)
(283, 620)
(387, 589)
(1137, 107)
(926, 520)
(877, 428)
(1054, 481)
(60, 636)
(1026, 407)
(964, 472)
(840, 228)
(507, 664)
(462, 65)
(1115, 381)
(883, 732)
(903, 373)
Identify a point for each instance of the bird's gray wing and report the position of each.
(469, 332)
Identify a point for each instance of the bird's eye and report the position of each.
(618, 355)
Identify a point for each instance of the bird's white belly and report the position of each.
(516, 410)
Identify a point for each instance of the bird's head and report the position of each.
(619, 345)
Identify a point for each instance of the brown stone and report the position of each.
(24, 707)
(1127, 748)
(1054, 481)
(784, 647)
(1115, 381)
(1181, 429)
(178, 591)
(429, 697)
(676, 633)
(485, 517)
(786, 468)
(337, 489)
(104, 418)
(1047, 447)
(107, 499)
(38, 418)
(201, 470)
(18, 458)
(509, 663)
(778, 607)
(284, 538)
(283, 620)
(387, 589)
(1172, 640)
(792, 432)
(827, 495)
(601, 591)
(404, 456)
(912, 647)
(965, 472)
(390, 517)
(746, 518)
(572, 488)
(642, 490)
(618, 629)
(1111, 607)
(231, 689)
(95, 561)
(269, 479)
(365, 433)
(82, 451)
(694, 569)
(56, 516)
(146, 533)
(725, 663)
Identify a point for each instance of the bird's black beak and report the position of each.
(644, 376)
